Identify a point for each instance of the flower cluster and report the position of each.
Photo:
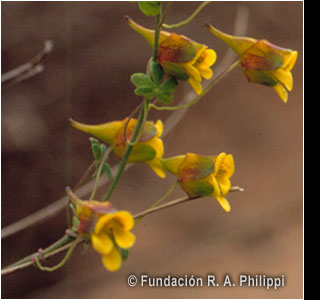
(107, 229)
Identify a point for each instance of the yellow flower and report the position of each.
(180, 57)
(148, 150)
(200, 175)
(110, 230)
(107, 229)
(263, 62)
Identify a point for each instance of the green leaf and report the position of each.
(124, 254)
(165, 97)
(147, 92)
(169, 85)
(106, 169)
(95, 147)
(141, 80)
(150, 8)
(156, 72)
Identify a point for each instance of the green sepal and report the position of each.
(142, 153)
(150, 8)
(175, 71)
(149, 131)
(197, 188)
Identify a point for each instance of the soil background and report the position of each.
(87, 77)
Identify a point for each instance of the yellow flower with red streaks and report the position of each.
(180, 57)
(107, 229)
(148, 150)
(200, 175)
(262, 62)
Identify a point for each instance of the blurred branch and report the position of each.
(240, 28)
(30, 68)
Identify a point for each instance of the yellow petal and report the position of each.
(157, 145)
(173, 164)
(285, 77)
(123, 239)
(290, 60)
(207, 59)
(157, 167)
(282, 92)
(105, 132)
(192, 72)
(224, 203)
(103, 223)
(102, 243)
(196, 85)
(112, 261)
(206, 73)
(159, 126)
(125, 219)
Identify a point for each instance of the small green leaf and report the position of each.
(95, 147)
(106, 169)
(156, 72)
(169, 85)
(124, 254)
(146, 92)
(150, 8)
(165, 97)
(141, 80)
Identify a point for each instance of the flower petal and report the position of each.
(125, 219)
(282, 92)
(196, 85)
(102, 243)
(224, 203)
(112, 260)
(123, 239)
(285, 77)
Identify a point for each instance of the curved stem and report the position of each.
(205, 91)
(61, 263)
(189, 19)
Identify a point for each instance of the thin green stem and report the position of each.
(98, 175)
(156, 37)
(122, 165)
(160, 200)
(61, 263)
(205, 91)
(189, 19)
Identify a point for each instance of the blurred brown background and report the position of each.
(86, 77)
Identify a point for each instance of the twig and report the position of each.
(30, 68)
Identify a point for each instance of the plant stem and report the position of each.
(159, 201)
(61, 263)
(122, 165)
(156, 37)
(205, 91)
(104, 158)
(189, 19)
